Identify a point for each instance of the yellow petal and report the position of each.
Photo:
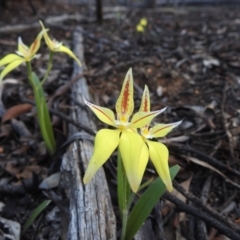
(159, 156)
(22, 48)
(145, 103)
(143, 22)
(9, 58)
(140, 28)
(125, 104)
(10, 67)
(141, 119)
(47, 39)
(161, 130)
(134, 155)
(36, 44)
(106, 141)
(106, 115)
(69, 52)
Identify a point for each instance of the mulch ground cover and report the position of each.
(190, 60)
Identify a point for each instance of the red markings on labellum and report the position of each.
(126, 93)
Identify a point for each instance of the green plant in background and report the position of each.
(35, 213)
(141, 26)
(26, 54)
(134, 150)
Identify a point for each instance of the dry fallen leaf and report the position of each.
(12, 168)
(15, 111)
(206, 165)
(5, 130)
(28, 171)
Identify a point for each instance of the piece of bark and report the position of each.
(145, 232)
(90, 208)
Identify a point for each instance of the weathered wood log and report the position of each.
(90, 208)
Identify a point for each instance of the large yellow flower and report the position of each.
(132, 148)
(56, 46)
(24, 54)
(158, 152)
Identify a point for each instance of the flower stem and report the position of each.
(29, 71)
(123, 195)
(124, 224)
(49, 68)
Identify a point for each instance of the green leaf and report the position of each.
(43, 114)
(145, 204)
(122, 185)
(35, 214)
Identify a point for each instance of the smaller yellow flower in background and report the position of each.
(131, 145)
(56, 46)
(141, 26)
(158, 152)
(143, 22)
(23, 54)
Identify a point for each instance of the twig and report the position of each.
(201, 225)
(205, 157)
(209, 210)
(65, 118)
(183, 207)
(49, 20)
(228, 133)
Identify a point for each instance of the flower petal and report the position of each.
(143, 22)
(125, 103)
(145, 103)
(140, 28)
(134, 154)
(10, 67)
(69, 52)
(106, 115)
(22, 48)
(159, 156)
(47, 39)
(161, 130)
(106, 141)
(36, 44)
(9, 58)
(141, 119)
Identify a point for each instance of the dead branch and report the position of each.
(91, 212)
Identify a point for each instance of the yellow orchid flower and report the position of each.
(23, 54)
(143, 22)
(158, 152)
(141, 25)
(140, 28)
(132, 148)
(56, 46)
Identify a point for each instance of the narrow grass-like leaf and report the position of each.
(123, 185)
(43, 115)
(38, 210)
(145, 204)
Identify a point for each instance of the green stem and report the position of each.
(49, 68)
(124, 223)
(123, 195)
(29, 71)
